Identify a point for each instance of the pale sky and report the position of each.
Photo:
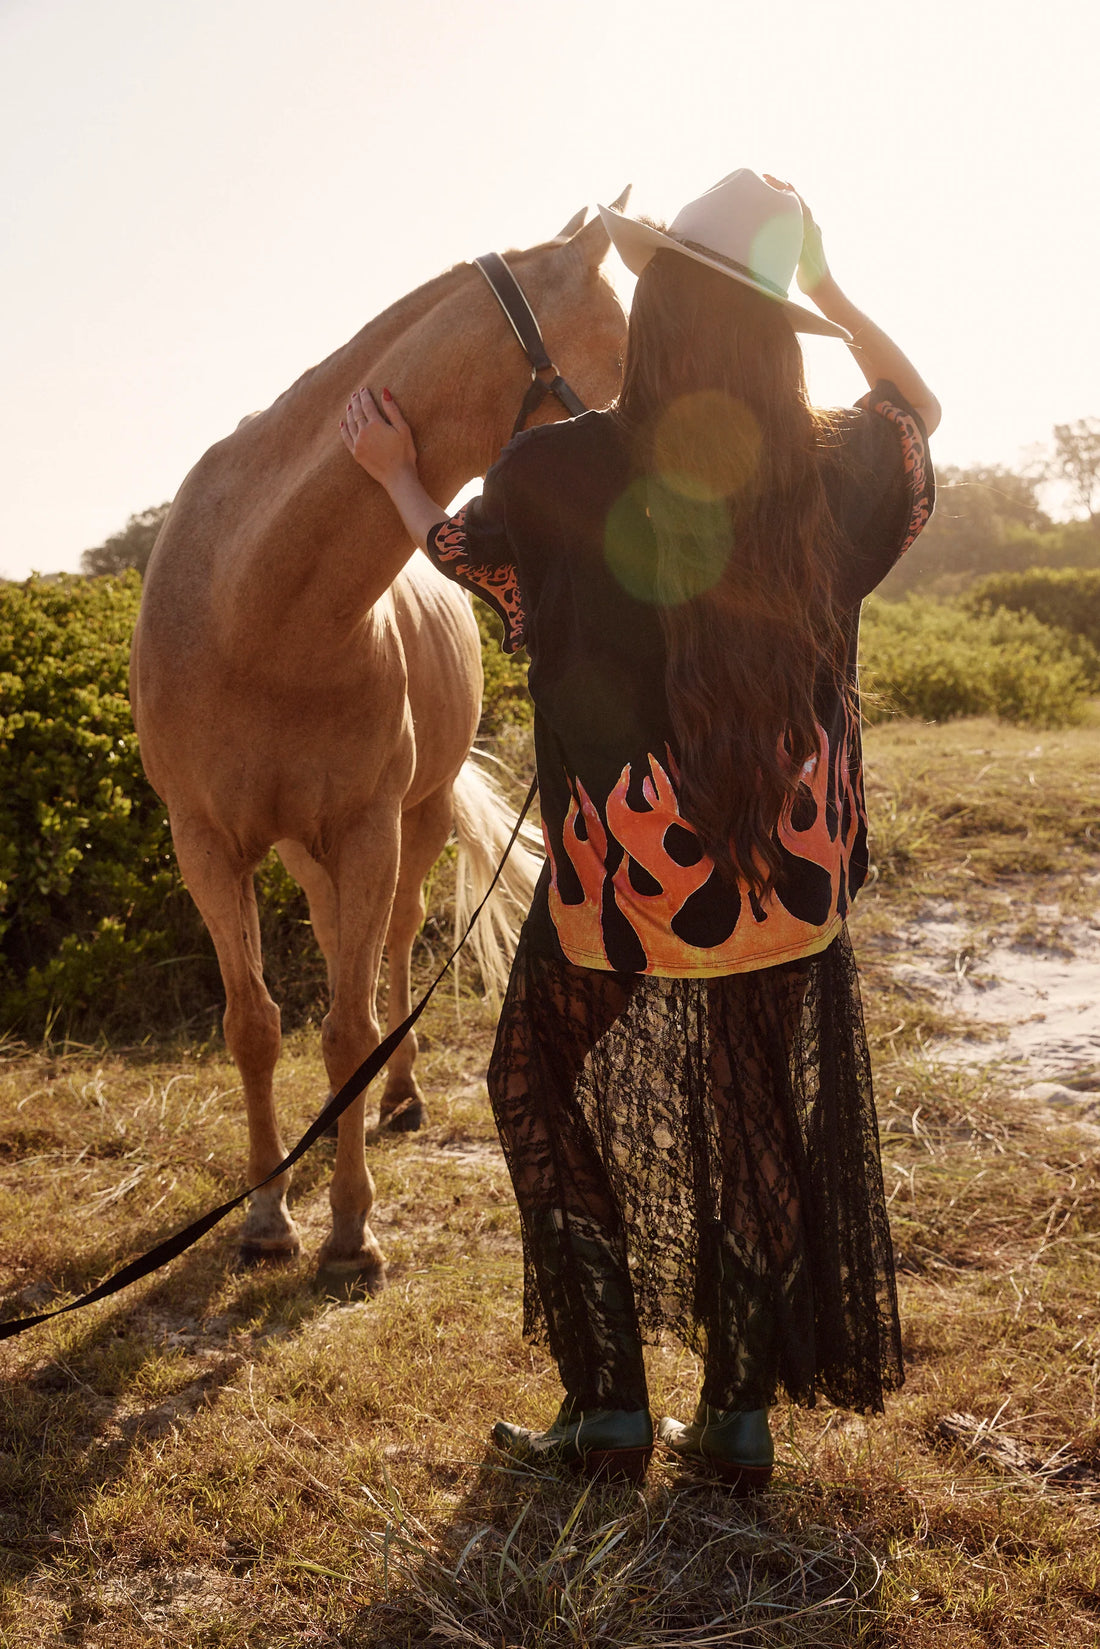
(203, 197)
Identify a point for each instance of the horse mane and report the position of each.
(404, 312)
(281, 437)
(284, 466)
(378, 331)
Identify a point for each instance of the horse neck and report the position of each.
(313, 391)
(322, 543)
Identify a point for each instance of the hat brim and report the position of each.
(637, 242)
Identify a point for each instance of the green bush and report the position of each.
(1064, 598)
(98, 935)
(938, 661)
(91, 904)
(504, 701)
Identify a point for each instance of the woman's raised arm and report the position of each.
(876, 354)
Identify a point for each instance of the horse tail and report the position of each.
(483, 824)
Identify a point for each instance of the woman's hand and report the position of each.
(877, 354)
(813, 268)
(381, 441)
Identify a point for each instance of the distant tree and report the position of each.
(977, 498)
(985, 516)
(131, 547)
(1076, 461)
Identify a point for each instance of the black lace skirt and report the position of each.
(700, 1156)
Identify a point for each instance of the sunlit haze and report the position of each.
(203, 199)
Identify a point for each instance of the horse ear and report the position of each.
(572, 226)
(593, 241)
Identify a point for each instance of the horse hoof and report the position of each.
(351, 1279)
(251, 1254)
(405, 1117)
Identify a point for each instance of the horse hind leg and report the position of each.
(222, 888)
(424, 832)
(316, 883)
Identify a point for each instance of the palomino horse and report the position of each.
(296, 684)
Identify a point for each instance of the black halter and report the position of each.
(509, 294)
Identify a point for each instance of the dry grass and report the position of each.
(976, 812)
(219, 1459)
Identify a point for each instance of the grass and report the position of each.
(216, 1459)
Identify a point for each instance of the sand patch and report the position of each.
(1035, 1004)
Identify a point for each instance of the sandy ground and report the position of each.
(1035, 1004)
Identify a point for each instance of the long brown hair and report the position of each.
(715, 400)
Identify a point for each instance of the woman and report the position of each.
(680, 1076)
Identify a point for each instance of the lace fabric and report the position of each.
(700, 1156)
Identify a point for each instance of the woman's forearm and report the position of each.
(876, 354)
(417, 509)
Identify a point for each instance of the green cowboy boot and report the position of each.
(584, 1284)
(604, 1445)
(735, 1444)
(586, 1293)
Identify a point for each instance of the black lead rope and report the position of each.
(177, 1244)
(510, 296)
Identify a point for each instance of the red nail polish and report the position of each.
(386, 396)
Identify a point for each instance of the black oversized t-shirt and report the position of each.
(626, 885)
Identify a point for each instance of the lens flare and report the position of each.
(777, 244)
(665, 547)
(629, 550)
(706, 446)
(670, 535)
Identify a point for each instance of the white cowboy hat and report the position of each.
(743, 228)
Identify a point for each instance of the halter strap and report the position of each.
(511, 298)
